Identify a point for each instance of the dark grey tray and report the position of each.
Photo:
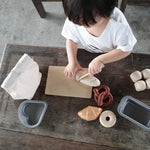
(31, 112)
(135, 111)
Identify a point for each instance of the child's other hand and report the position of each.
(71, 70)
(95, 66)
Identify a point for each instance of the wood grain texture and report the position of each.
(10, 140)
(61, 120)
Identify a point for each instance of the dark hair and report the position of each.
(83, 12)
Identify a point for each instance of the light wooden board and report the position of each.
(58, 84)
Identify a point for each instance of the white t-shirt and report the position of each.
(117, 35)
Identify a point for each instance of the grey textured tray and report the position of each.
(31, 112)
(135, 111)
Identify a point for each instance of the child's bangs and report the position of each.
(82, 19)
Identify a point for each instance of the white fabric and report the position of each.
(117, 35)
(24, 79)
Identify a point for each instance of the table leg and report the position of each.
(123, 5)
(39, 7)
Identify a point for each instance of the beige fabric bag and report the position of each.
(24, 79)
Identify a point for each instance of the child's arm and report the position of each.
(73, 65)
(71, 49)
(96, 64)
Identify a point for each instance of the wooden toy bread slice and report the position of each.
(80, 74)
(90, 113)
(85, 78)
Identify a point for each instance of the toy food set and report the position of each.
(103, 98)
(24, 79)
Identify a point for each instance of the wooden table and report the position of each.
(61, 128)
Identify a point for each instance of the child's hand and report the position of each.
(95, 66)
(71, 70)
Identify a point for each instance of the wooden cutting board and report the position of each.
(58, 84)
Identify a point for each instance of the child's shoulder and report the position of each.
(117, 24)
(118, 21)
(118, 16)
(118, 27)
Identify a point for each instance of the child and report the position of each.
(100, 27)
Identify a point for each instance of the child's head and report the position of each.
(84, 12)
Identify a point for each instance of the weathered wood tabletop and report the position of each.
(61, 128)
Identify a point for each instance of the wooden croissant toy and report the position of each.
(90, 113)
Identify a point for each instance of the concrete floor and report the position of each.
(21, 24)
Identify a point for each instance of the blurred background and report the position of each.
(20, 23)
